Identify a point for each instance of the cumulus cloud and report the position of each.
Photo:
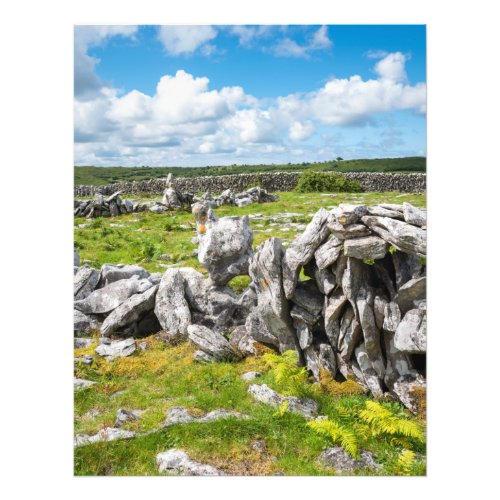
(185, 40)
(319, 40)
(185, 117)
(248, 34)
(86, 82)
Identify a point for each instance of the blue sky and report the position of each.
(218, 95)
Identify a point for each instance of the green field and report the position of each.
(98, 176)
(163, 376)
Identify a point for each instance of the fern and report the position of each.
(405, 462)
(383, 421)
(281, 410)
(285, 371)
(339, 434)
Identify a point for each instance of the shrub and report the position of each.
(311, 181)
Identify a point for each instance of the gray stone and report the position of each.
(325, 279)
(80, 383)
(343, 463)
(411, 333)
(380, 211)
(203, 357)
(304, 406)
(371, 379)
(81, 342)
(346, 214)
(181, 415)
(370, 247)
(116, 349)
(411, 294)
(398, 363)
(171, 306)
(212, 343)
(242, 341)
(129, 311)
(392, 317)
(106, 434)
(270, 321)
(328, 253)
(249, 376)
(76, 258)
(320, 356)
(334, 306)
(123, 416)
(178, 462)
(225, 244)
(114, 272)
(302, 249)
(404, 388)
(86, 360)
(104, 300)
(349, 231)
(350, 334)
(84, 323)
(405, 267)
(405, 237)
(85, 282)
(308, 297)
(414, 215)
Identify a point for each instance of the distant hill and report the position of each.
(98, 176)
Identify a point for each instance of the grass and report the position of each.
(142, 238)
(98, 176)
(163, 376)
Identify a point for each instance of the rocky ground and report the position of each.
(148, 402)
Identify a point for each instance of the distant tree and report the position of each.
(339, 158)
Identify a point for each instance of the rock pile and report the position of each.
(173, 199)
(361, 313)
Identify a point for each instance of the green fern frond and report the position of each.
(383, 421)
(281, 410)
(405, 462)
(346, 438)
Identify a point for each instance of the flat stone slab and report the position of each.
(116, 349)
(181, 415)
(178, 462)
(304, 406)
(107, 434)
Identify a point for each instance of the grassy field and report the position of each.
(98, 176)
(163, 376)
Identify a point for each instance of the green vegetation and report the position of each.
(154, 241)
(163, 376)
(98, 176)
(312, 181)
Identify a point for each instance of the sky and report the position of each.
(223, 95)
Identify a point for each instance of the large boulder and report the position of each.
(225, 244)
(270, 321)
(411, 333)
(104, 300)
(130, 311)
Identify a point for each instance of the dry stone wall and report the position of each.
(272, 182)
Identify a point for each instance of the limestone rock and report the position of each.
(380, 211)
(392, 317)
(371, 379)
(320, 356)
(406, 390)
(76, 258)
(369, 247)
(86, 360)
(349, 231)
(334, 306)
(327, 254)
(114, 272)
(178, 462)
(212, 343)
(81, 342)
(171, 307)
(343, 463)
(106, 434)
(181, 415)
(250, 376)
(403, 236)
(325, 279)
(85, 282)
(116, 349)
(350, 334)
(225, 244)
(242, 341)
(414, 215)
(411, 294)
(203, 357)
(123, 416)
(84, 323)
(346, 213)
(129, 311)
(302, 249)
(80, 383)
(270, 321)
(104, 300)
(411, 333)
(305, 406)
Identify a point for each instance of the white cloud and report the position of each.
(392, 67)
(185, 118)
(248, 34)
(301, 131)
(185, 40)
(287, 47)
(376, 54)
(86, 82)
